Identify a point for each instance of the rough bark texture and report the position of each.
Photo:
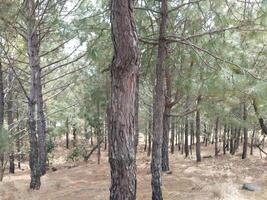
(41, 125)
(33, 51)
(124, 70)
(198, 150)
(245, 143)
(158, 106)
(166, 121)
(165, 141)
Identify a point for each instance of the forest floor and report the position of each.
(214, 178)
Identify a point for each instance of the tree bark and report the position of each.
(149, 132)
(34, 62)
(198, 143)
(186, 147)
(216, 136)
(252, 141)
(124, 71)
(245, 143)
(41, 125)
(67, 133)
(158, 106)
(172, 135)
(10, 119)
(2, 154)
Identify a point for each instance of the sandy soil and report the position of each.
(214, 178)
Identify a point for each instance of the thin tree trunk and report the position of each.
(124, 71)
(198, 143)
(158, 106)
(2, 154)
(136, 113)
(10, 120)
(252, 141)
(172, 135)
(186, 148)
(224, 139)
(67, 133)
(149, 132)
(216, 136)
(41, 125)
(34, 62)
(245, 143)
(165, 141)
(74, 135)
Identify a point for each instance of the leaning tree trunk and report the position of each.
(158, 106)
(10, 120)
(124, 71)
(149, 132)
(33, 54)
(245, 143)
(198, 150)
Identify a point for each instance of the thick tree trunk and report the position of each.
(158, 106)
(245, 143)
(10, 120)
(198, 144)
(124, 71)
(216, 136)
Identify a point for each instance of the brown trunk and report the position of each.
(224, 139)
(172, 135)
(2, 154)
(41, 125)
(252, 141)
(198, 144)
(124, 71)
(74, 135)
(149, 132)
(136, 113)
(165, 141)
(192, 136)
(34, 62)
(216, 136)
(67, 133)
(186, 147)
(166, 121)
(245, 143)
(158, 106)
(10, 120)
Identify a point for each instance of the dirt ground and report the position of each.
(214, 178)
